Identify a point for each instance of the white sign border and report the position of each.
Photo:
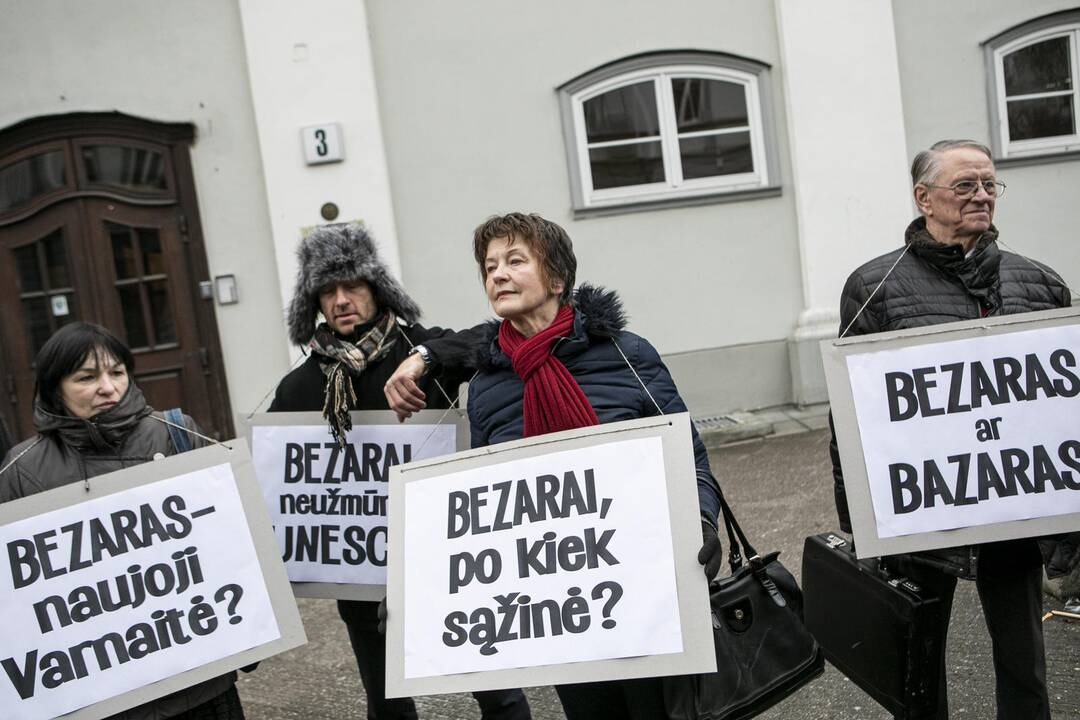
(698, 654)
(235, 453)
(355, 591)
(834, 354)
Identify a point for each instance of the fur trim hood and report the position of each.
(599, 314)
(601, 311)
(342, 252)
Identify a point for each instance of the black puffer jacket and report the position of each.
(589, 353)
(935, 283)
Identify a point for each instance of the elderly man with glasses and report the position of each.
(951, 269)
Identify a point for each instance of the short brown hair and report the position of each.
(546, 239)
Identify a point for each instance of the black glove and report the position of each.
(711, 554)
(382, 616)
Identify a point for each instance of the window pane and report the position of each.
(134, 322)
(153, 259)
(56, 260)
(1042, 67)
(622, 165)
(134, 168)
(26, 265)
(164, 326)
(1043, 117)
(36, 313)
(30, 177)
(123, 251)
(716, 155)
(623, 114)
(708, 104)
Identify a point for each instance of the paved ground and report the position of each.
(781, 489)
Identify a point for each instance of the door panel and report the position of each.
(41, 289)
(148, 294)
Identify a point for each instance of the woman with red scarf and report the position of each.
(560, 360)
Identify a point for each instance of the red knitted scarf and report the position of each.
(552, 400)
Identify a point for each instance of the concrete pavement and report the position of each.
(781, 490)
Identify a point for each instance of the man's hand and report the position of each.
(711, 554)
(382, 616)
(402, 393)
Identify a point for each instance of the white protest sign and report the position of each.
(526, 560)
(328, 503)
(133, 582)
(970, 426)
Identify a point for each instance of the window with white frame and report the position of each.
(1036, 94)
(666, 128)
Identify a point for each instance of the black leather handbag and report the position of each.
(764, 653)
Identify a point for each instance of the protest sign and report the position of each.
(149, 580)
(569, 557)
(961, 433)
(328, 503)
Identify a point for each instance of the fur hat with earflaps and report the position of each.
(341, 253)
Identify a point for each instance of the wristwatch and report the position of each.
(424, 354)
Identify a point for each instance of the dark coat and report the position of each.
(935, 283)
(50, 463)
(590, 354)
(304, 388)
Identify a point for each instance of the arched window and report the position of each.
(668, 127)
(1035, 98)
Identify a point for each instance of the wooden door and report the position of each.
(147, 296)
(42, 287)
(99, 222)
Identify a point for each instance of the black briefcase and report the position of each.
(880, 629)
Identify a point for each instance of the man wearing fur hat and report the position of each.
(370, 327)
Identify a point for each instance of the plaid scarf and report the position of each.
(348, 360)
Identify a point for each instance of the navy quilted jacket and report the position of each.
(495, 395)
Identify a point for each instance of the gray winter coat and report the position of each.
(47, 461)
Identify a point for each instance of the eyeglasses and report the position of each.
(965, 189)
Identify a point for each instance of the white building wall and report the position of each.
(450, 115)
(944, 82)
(472, 126)
(170, 62)
(310, 64)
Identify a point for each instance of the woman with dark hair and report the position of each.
(92, 419)
(561, 359)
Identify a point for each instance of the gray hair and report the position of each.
(927, 165)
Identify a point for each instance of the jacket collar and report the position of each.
(598, 314)
(103, 431)
(977, 272)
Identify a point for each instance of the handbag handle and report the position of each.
(734, 529)
(758, 568)
(731, 525)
